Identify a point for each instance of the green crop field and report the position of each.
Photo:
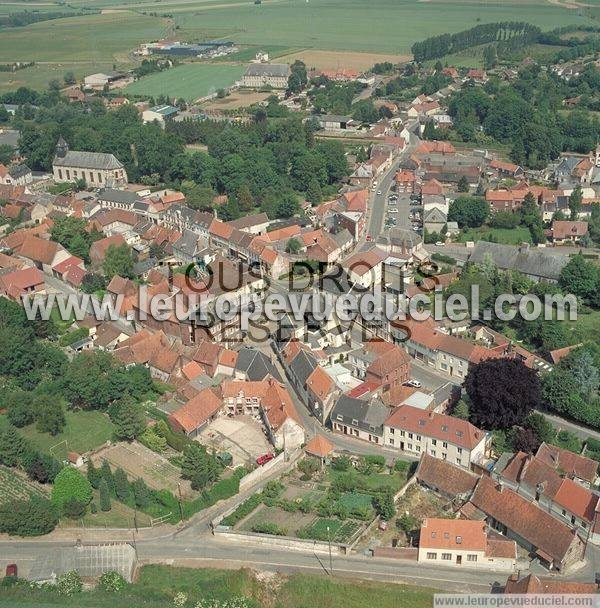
(14, 484)
(357, 25)
(189, 81)
(84, 432)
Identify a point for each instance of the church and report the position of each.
(97, 169)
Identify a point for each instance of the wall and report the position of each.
(268, 469)
(285, 542)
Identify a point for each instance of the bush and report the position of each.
(112, 581)
(400, 466)
(242, 510)
(73, 508)
(342, 463)
(376, 461)
(69, 583)
(153, 441)
(269, 528)
(444, 259)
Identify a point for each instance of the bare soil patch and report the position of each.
(342, 60)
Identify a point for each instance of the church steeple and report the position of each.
(61, 147)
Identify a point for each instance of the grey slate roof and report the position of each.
(302, 366)
(280, 70)
(368, 416)
(434, 215)
(144, 266)
(250, 220)
(342, 238)
(256, 365)
(532, 262)
(187, 243)
(18, 171)
(88, 160)
(122, 197)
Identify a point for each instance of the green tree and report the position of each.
(112, 582)
(69, 78)
(575, 200)
(6, 151)
(93, 474)
(199, 466)
(104, 496)
(70, 483)
(463, 184)
(12, 446)
(293, 245)
(288, 206)
(122, 485)
(531, 216)
(313, 192)
(50, 415)
(141, 493)
(580, 277)
(129, 419)
(461, 410)
(384, 504)
(28, 517)
(468, 211)
(118, 261)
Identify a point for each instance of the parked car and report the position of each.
(369, 238)
(392, 210)
(413, 383)
(11, 570)
(378, 192)
(439, 244)
(264, 458)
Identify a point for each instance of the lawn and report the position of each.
(157, 585)
(506, 236)
(189, 81)
(119, 516)
(84, 432)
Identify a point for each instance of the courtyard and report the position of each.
(242, 436)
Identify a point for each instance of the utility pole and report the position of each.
(180, 503)
(330, 560)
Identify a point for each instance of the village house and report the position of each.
(99, 248)
(196, 413)
(538, 532)
(445, 478)
(563, 231)
(532, 584)
(359, 418)
(464, 543)
(16, 283)
(412, 430)
(15, 175)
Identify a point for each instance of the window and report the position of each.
(458, 460)
(446, 535)
(433, 442)
(409, 446)
(410, 435)
(444, 456)
(471, 557)
(431, 555)
(418, 448)
(60, 174)
(421, 422)
(418, 437)
(354, 422)
(391, 431)
(447, 556)
(434, 535)
(459, 540)
(445, 444)
(340, 417)
(444, 428)
(433, 453)
(459, 450)
(401, 433)
(391, 442)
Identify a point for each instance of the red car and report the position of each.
(264, 459)
(11, 570)
(369, 238)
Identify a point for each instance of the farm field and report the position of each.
(189, 81)
(84, 431)
(15, 484)
(237, 99)
(340, 60)
(358, 26)
(157, 585)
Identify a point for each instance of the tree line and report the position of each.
(435, 47)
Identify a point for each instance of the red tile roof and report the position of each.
(320, 383)
(453, 534)
(319, 446)
(573, 465)
(534, 584)
(197, 410)
(577, 500)
(447, 478)
(438, 426)
(39, 250)
(563, 229)
(524, 518)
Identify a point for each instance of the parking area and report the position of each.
(242, 436)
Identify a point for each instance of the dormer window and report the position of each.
(444, 428)
(459, 540)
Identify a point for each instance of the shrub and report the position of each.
(112, 581)
(153, 441)
(242, 510)
(342, 463)
(400, 466)
(376, 461)
(73, 508)
(69, 583)
(269, 528)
